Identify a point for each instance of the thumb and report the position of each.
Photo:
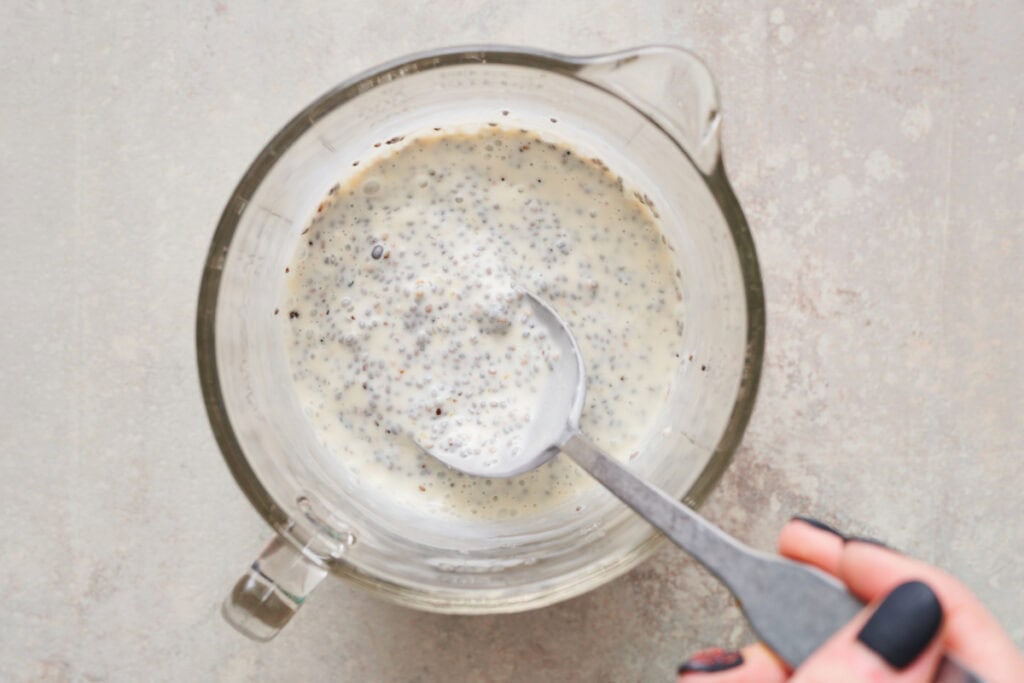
(893, 643)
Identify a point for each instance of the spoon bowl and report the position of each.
(557, 413)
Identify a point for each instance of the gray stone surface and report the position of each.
(877, 148)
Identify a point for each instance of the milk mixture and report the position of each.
(405, 322)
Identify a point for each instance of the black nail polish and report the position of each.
(817, 524)
(711, 661)
(904, 624)
(869, 541)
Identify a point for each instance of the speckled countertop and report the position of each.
(877, 147)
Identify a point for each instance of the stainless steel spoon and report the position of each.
(793, 608)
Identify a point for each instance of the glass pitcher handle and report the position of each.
(674, 88)
(267, 596)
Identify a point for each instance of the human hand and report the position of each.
(916, 613)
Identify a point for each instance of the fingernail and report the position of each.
(869, 541)
(711, 661)
(904, 624)
(818, 524)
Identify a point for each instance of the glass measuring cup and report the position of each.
(652, 115)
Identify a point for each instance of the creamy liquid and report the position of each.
(403, 321)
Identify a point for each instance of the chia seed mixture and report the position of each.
(404, 321)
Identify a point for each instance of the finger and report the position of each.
(971, 633)
(812, 542)
(895, 641)
(753, 664)
(868, 569)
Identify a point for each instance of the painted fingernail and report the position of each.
(818, 524)
(869, 541)
(904, 624)
(711, 661)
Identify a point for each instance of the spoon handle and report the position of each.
(792, 607)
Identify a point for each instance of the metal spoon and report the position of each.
(793, 608)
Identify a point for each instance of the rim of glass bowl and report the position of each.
(565, 65)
